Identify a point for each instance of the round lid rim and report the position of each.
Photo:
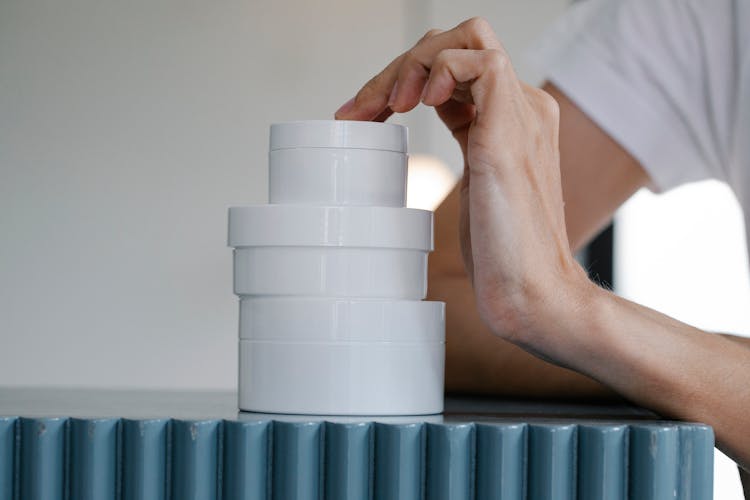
(330, 226)
(338, 134)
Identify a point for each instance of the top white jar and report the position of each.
(338, 163)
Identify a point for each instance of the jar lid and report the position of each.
(339, 134)
(298, 225)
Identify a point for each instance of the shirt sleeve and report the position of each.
(653, 75)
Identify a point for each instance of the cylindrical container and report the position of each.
(342, 356)
(339, 134)
(299, 225)
(331, 271)
(330, 251)
(331, 275)
(329, 176)
(341, 378)
(338, 163)
(306, 319)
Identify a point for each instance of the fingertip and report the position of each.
(393, 95)
(360, 114)
(384, 115)
(423, 95)
(344, 109)
(428, 98)
(436, 93)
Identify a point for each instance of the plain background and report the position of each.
(128, 128)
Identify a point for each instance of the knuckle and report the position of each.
(411, 63)
(476, 24)
(547, 105)
(441, 59)
(478, 30)
(497, 60)
(429, 34)
(551, 106)
(410, 57)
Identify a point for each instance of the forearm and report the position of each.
(656, 361)
(743, 341)
(477, 362)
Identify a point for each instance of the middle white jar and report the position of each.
(331, 271)
(293, 250)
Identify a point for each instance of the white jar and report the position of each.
(330, 251)
(299, 225)
(305, 319)
(341, 356)
(331, 272)
(335, 176)
(331, 275)
(338, 163)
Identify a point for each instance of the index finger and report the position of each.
(372, 100)
(378, 98)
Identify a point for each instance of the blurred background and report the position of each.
(128, 128)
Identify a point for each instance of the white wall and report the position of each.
(684, 253)
(128, 128)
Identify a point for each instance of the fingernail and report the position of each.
(424, 93)
(346, 107)
(394, 93)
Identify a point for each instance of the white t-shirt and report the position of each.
(667, 79)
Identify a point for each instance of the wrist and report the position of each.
(610, 340)
(565, 327)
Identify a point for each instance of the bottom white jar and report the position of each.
(341, 378)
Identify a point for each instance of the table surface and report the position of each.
(123, 403)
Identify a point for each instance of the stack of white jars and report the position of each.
(331, 276)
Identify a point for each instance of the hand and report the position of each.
(512, 230)
(528, 287)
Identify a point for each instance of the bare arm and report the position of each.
(597, 177)
(528, 288)
(666, 365)
(644, 355)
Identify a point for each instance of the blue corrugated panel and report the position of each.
(93, 459)
(195, 459)
(348, 454)
(654, 467)
(696, 462)
(7, 455)
(399, 459)
(246, 460)
(602, 462)
(42, 469)
(297, 460)
(450, 461)
(552, 462)
(501, 461)
(61, 459)
(144, 459)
